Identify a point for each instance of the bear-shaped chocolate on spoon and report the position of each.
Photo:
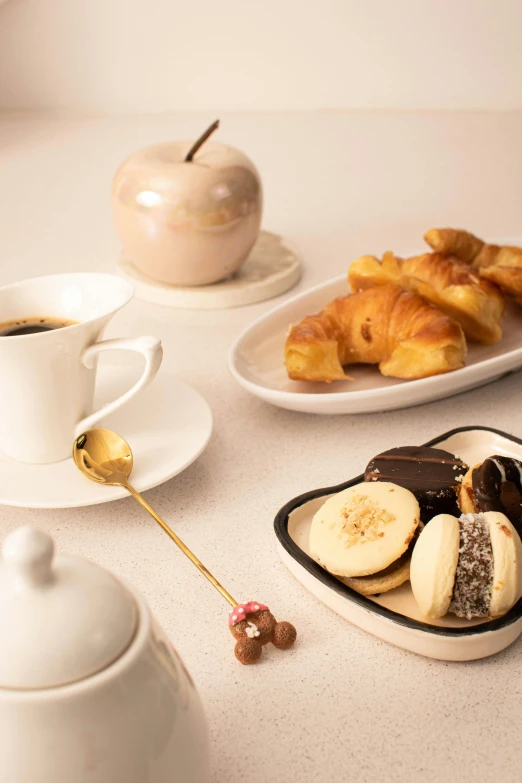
(106, 458)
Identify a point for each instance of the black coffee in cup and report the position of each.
(20, 326)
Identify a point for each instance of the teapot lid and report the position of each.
(62, 618)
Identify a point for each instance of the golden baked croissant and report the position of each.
(445, 282)
(500, 264)
(385, 325)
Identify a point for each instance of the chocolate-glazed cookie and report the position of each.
(497, 485)
(431, 474)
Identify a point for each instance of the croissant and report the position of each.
(455, 288)
(500, 264)
(385, 325)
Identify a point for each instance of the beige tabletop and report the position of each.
(342, 705)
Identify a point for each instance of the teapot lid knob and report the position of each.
(47, 596)
(29, 553)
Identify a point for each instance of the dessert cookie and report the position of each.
(364, 533)
(393, 576)
(431, 474)
(494, 485)
(471, 567)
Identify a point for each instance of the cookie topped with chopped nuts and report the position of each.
(365, 529)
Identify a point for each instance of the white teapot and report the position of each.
(91, 691)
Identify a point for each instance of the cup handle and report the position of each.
(149, 347)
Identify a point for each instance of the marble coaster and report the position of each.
(272, 268)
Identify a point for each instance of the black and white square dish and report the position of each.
(394, 616)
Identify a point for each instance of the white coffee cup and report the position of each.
(47, 379)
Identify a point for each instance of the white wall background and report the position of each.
(154, 55)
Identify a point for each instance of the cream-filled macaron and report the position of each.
(471, 567)
(363, 530)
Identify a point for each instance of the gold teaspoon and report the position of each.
(106, 458)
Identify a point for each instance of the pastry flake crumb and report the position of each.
(366, 332)
(363, 520)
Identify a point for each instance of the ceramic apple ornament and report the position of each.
(187, 214)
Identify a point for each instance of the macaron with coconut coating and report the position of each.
(470, 567)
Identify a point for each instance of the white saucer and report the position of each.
(167, 426)
(273, 267)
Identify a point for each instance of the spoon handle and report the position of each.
(186, 551)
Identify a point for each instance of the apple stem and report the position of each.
(202, 139)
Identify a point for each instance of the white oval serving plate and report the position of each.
(256, 361)
(394, 616)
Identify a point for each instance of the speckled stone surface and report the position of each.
(342, 705)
